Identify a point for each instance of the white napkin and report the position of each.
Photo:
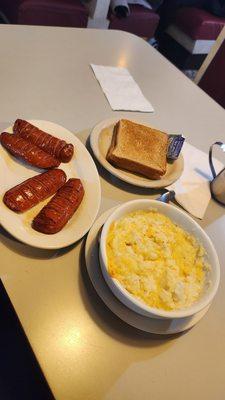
(121, 90)
(192, 188)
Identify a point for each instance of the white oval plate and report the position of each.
(100, 139)
(165, 326)
(13, 171)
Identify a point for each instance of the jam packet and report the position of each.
(174, 147)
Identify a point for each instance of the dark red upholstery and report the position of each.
(198, 23)
(213, 81)
(141, 21)
(46, 12)
(167, 12)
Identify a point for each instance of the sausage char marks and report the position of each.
(29, 193)
(52, 145)
(33, 155)
(54, 216)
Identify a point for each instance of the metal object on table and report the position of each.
(217, 185)
(167, 197)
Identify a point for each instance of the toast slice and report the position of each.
(138, 148)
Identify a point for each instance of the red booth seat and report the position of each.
(141, 21)
(45, 12)
(198, 23)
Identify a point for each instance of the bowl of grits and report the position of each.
(157, 260)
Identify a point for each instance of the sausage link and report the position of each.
(30, 192)
(54, 216)
(52, 145)
(28, 152)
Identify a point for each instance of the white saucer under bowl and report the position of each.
(152, 325)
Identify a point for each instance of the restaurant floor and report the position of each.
(20, 374)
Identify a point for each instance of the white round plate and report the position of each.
(13, 172)
(100, 139)
(152, 325)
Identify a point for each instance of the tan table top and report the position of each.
(84, 350)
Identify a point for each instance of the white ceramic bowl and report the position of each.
(188, 224)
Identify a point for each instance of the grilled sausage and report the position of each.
(27, 151)
(52, 145)
(54, 216)
(30, 192)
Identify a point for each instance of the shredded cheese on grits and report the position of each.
(156, 260)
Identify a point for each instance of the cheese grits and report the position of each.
(156, 260)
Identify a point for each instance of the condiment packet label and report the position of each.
(175, 145)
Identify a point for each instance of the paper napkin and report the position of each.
(192, 188)
(121, 90)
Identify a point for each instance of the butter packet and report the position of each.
(174, 147)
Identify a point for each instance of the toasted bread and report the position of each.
(139, 149)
